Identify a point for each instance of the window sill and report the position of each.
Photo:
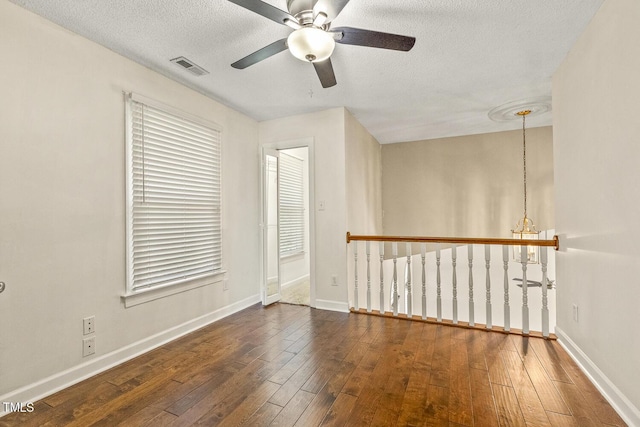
(140, 297)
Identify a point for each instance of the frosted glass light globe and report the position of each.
(311, 44)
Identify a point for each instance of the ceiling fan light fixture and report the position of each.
(311, 44)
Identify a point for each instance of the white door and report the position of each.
(270, 227)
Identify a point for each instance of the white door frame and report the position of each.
(284, 145)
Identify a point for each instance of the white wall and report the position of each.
(467, 186)
(597, 152)
(62, 202)
(327, 130)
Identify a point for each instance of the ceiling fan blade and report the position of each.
(331, 8)
(360, 37)
(266, 10)
(325, 73)
(259, 55)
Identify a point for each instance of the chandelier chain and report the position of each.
(524, 162)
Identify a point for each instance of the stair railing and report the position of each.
(415, 293)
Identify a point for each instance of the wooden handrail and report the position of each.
(554, 243)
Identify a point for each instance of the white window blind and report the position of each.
(174, 201)
(291, 205)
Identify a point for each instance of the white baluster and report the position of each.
(394, 253)
(471, 305)
(487, 261)
(409, 294)
(507, 308)
(423, 249)
(438, 287)
(525, 291)
(381, 277)
(545, 308)
(454, 281)
(368, 250)
(356, 303)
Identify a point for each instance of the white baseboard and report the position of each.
(64, 379)
(294, 282)
(323, 304)
(623, 406)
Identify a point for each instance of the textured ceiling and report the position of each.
(470, 56)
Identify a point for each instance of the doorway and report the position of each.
(288, 224)
(294, 226)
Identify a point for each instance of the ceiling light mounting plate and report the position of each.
(516, 109)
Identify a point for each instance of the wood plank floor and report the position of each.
(289, 365)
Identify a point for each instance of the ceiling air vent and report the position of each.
(189, 66)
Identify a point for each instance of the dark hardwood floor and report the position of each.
(291, 365)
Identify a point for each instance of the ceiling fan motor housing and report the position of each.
(297, 6)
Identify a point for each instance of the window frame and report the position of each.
(136, 295)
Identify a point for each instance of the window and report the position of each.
(173, 208)
(291, 206)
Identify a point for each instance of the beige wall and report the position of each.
(597, 153)
(62, 202)
(468, 186)
(364, 179)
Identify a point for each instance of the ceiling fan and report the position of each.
(313, 39)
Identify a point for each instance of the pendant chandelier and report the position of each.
(525, 229)
(516, 110)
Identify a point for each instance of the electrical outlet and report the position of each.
(334, 280)
(88, 346)
(225, 284)
(88, 324)
(575, 313)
